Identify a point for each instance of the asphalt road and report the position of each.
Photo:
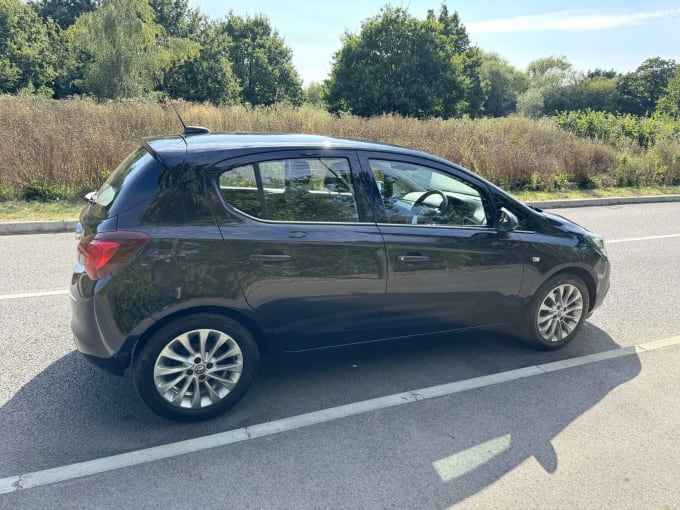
(600, 435)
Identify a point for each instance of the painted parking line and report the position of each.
(34, 294)
(134, 458)
(633, 239)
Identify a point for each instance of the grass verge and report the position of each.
(39, 211)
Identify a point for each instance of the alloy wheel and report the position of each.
(198, 369)
(560, 312)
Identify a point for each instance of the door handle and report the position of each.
(269, 257)
(412, 258)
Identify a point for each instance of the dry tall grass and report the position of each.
(61, 148)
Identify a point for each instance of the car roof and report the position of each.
(208, 149)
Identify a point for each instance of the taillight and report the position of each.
(104, 252)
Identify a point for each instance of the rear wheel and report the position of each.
(557, 312)
(196, 367)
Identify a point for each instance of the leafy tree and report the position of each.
(549, 71)
(531, 103)
(503, 84)
(313, 94)
(669, 104)
(632, 95)
(547, 78)
(398, 63)
(26, 56)
(64, 12)
(207, 76)
(640, 90)
(177, 18)
(466, 61)
(602, 73)
(122, 51)
(597, 93)
(262, 62)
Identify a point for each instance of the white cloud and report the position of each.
(566, 20)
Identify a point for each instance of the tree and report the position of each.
(503, 84)
(26, 56)
(531, 103)
(262, 62)
(549, 71)
(640, 90)
(177, 18)
(64, 12)
(669, 104)
(400, 64)
(207, 76)
(547, 78)
(122, 51)
(602, 73)
(314, 94)
(597, 93)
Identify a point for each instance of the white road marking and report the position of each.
(101, 465)
(633, 239)
(34, 294)
(458, 464)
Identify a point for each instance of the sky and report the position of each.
(591, 34)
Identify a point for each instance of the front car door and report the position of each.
(305, 246)
(449, 268)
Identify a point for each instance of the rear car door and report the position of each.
(302, 239)
(449, 268)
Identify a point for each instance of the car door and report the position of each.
(449, 268)
(305, 246)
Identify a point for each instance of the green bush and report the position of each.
(616, 128)
(45, 192)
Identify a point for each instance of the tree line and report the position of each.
(113, 49)
(395, 63)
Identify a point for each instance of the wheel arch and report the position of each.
(583, 275)
(258, 334)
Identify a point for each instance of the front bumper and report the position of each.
(603, 270)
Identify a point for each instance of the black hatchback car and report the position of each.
(203, 252)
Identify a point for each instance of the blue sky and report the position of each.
(606, 34)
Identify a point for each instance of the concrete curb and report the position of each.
(59, 226)
(595, 202)
(37, 227)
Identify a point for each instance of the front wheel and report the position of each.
(557, 312)
(196, 367)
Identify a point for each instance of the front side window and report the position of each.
(419, 195)
(297, 189)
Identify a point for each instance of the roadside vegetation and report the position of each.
(60, 149)
(81, 83)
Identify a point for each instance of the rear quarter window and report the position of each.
(135, 180)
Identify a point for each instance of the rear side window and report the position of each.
(299, 189)
(135, 179)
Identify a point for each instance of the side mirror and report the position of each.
(508, 221)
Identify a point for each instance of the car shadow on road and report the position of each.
(73, 412)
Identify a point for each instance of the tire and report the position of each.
(556, 312)
(189, 353)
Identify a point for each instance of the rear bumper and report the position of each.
(103, 348)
